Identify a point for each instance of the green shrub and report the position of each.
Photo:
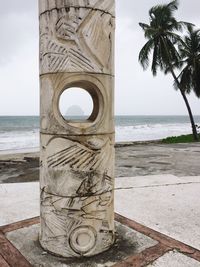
(179, 139)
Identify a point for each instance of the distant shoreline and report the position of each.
(19, 151)
(17, 133)
(145, 115)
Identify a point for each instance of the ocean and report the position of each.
(22, 132)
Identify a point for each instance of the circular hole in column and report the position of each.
(76, 105)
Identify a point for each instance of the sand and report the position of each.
(132, 159)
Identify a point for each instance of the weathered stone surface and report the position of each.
(99, 86)
(106, 6)
(76, 37)
(77, 157)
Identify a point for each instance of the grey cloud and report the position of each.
(138, 10)
(19, 32)
(19, 24)
(189, 9)
(17, 7)
(19, 19)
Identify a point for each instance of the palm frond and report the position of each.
(190, 52)
(155, 61)
(144, 54)
(144, 26)
(173, 5)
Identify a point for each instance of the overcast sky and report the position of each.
(136, 93)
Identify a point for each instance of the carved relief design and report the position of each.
(97, 38)
(103, 5)
(77, 193)
(83, 239)
(82, 168)
(80, 157)
(77, 209)
(58, 58)
(77, 158)
(76, 40)
(64, 217)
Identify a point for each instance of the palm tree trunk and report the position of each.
(194, 129)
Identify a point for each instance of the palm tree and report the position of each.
(189, 48)
(161, 43)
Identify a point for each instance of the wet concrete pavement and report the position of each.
(136, 159)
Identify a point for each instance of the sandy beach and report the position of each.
(132, 159)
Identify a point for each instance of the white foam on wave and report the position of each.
(30, 139)
(150, 131)
(19, 140)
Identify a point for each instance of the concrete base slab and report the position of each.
(167, 204)
(127, 230)
(175, 259)
(157, 205)
(128, 242)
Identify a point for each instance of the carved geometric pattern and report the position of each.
(58, 58)
(78, 157)
(66, 219)
(76, 40)
(77, 176)
(83, 239)
(104, 5)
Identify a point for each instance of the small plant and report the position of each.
(179, 139)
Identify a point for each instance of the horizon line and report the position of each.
(114, 115)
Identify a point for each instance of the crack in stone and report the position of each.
(87, 72)
(149, 186)
(88, 8)
(78, 196)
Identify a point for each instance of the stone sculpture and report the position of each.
(77, 157)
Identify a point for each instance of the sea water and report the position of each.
(22, 132)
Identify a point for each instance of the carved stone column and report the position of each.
(77, 157)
